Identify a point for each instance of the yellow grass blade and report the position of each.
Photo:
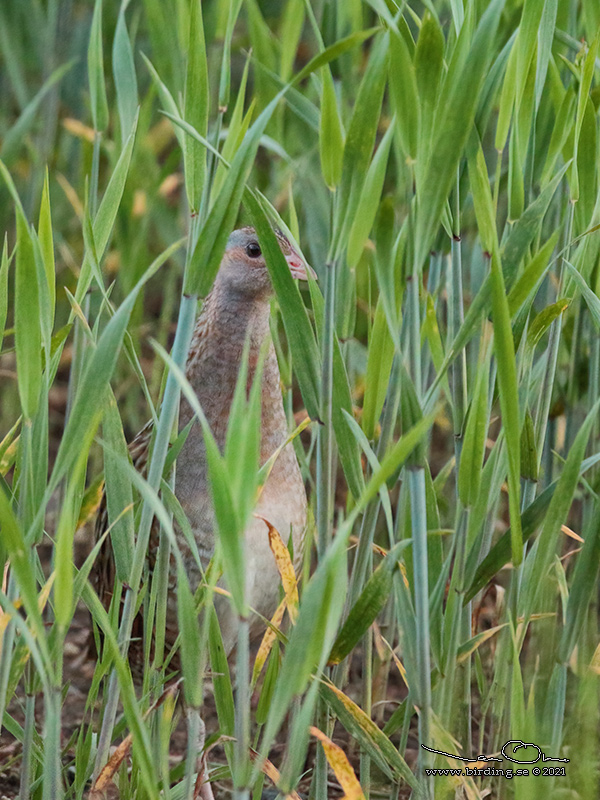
(338, 761)
(267, 642)
(286, 569)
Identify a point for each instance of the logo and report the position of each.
(511, 751)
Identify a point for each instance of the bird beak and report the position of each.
(299, 268)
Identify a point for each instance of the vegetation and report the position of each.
(438, 162)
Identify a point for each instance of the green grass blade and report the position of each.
(95, 64)
(125, 76)
(28, 334)
(47, 244)
(369, 604)
(473, 449)
(191, 650)
(331, 133)
(119, 495)
(195, 108)
(4, 265)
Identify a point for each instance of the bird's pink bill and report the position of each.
(299, 268)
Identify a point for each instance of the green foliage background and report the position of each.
(438, 164)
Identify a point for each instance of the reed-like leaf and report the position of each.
(331, 134)
(95, 65)
(28, 334)
(125, 76)
(119, 495)
(195, 108)
(370, 602)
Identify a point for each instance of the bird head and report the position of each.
(244, 270)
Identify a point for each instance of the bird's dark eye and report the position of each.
(253, 250)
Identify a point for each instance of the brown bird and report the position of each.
(236, 309)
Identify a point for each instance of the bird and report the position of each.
(236, 311)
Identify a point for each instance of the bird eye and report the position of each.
(253, 250)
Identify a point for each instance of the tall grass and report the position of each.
(438, 163)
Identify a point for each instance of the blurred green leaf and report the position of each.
(586, 167)
(543, 320)
(238, 126)
(379, 365)
(369, 200)
(47, 243)
(591, 299)
(526, 228)
(527, 40)
(195, 108)
(119, 495)
(410, 415)
(529, 457)
(370, 603)
(63, 555)
(191, 653)
(125, 76)
(473, 448)
(516, 184)
(531, 275)
(4, 265)
(507, 100)
(509, 401)
(263, 44)
(429, 62)
(229, 525)
(560, 133)
(291, 31)
(404, 94)
(484, 209)
(582, 99)
(331, 134)
(28, 335)
(221, 678)
(95, 64)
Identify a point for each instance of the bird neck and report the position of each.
(225, 323)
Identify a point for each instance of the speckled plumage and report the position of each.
(237, 307)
